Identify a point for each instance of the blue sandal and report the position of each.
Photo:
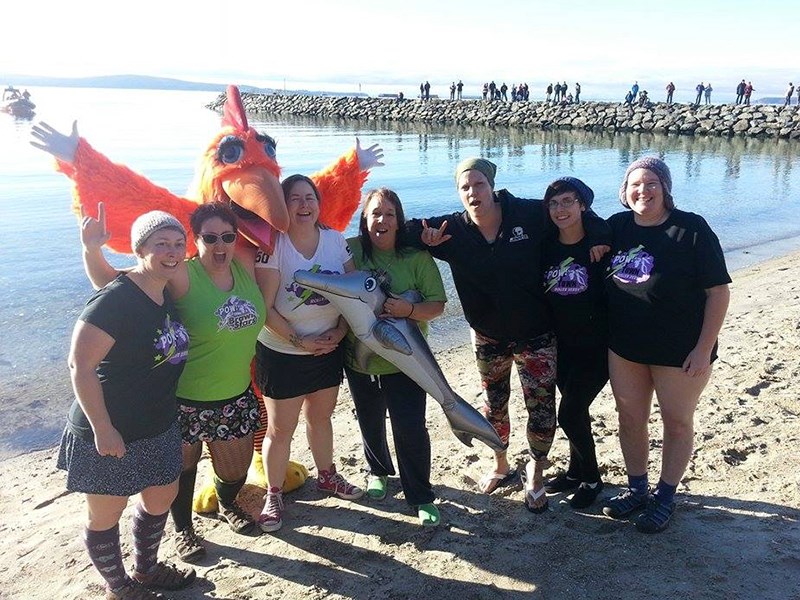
(656, 516)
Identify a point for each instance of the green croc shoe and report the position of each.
(428, 515)
(376, 486)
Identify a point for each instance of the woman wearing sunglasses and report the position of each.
(223, 311)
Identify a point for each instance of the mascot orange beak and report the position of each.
(258, 192)
(252, 183)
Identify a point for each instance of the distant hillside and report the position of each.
(121, 82)
(143, 82)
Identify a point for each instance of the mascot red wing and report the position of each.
(239, 165)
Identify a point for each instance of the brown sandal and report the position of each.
(133, 591)
(189, 545)
(166, 576)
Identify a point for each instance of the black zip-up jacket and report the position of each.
(500, 283)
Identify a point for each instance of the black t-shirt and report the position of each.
(575, 292)
(139, 375)
(656, 284)
(499, 283)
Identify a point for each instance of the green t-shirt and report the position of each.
(410, 270)
(223, 327)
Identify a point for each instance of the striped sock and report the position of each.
(106, 555)
(147, 533)
(665, 493)
(638, 483)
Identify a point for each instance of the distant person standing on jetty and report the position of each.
(668, 294)
(452, 90)
(789, 92)
(459, 88)
(707, 91)
(422, 91)
(549, 92)
(670, 92)
(748, 91)
(634, 90)
(485, 90)
(577, 93)
(740, 92)
(492, 89)
(427, 88)
(494, 249)
(122, 436)
(699, 89)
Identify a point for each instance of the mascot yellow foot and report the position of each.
(205, 499)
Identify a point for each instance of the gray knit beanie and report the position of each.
(147, 224)
(657, 166)
(488, 168)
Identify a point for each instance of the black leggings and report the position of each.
(581, 374)
(405, 401)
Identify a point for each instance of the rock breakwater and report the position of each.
(758, 120)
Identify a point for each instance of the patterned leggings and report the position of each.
(536, 365)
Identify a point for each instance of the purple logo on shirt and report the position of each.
(632, 266)
(566, 279)
(236, 313)
(172, 343)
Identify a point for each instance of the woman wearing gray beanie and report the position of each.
(668, 295)
(128, 351)
(494, 249)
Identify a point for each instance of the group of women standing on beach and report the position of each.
(539, 289)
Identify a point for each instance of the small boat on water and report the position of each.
(16, 103)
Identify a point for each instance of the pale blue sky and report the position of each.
(401, 43)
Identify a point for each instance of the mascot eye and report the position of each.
(230, 150)
(370, 284)
(270, 145)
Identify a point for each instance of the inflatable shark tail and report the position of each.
(468, 423)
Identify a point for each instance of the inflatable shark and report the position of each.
(359, 297)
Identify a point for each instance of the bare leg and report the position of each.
(282, 421)
(632, 384)
(678, 395)
(318, 410)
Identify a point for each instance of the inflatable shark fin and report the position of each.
(390, 337)
(463, 437)
(467, 423)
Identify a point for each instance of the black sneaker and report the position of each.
(656, 516)
(625, 503)
(586, 495)
(561, 483)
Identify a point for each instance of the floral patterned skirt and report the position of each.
(219, 420)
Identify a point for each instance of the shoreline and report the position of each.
(738, 503)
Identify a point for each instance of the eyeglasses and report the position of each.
(565, 203)
(211, 238)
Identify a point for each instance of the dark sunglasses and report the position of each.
(211, 238)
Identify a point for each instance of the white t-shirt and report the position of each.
(307, 312)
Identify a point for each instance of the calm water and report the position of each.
(747, 189)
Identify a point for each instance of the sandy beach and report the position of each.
(736, 533)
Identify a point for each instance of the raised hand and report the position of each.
(53, 142)
(431, 236)
(369, 157)
(93, 231)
